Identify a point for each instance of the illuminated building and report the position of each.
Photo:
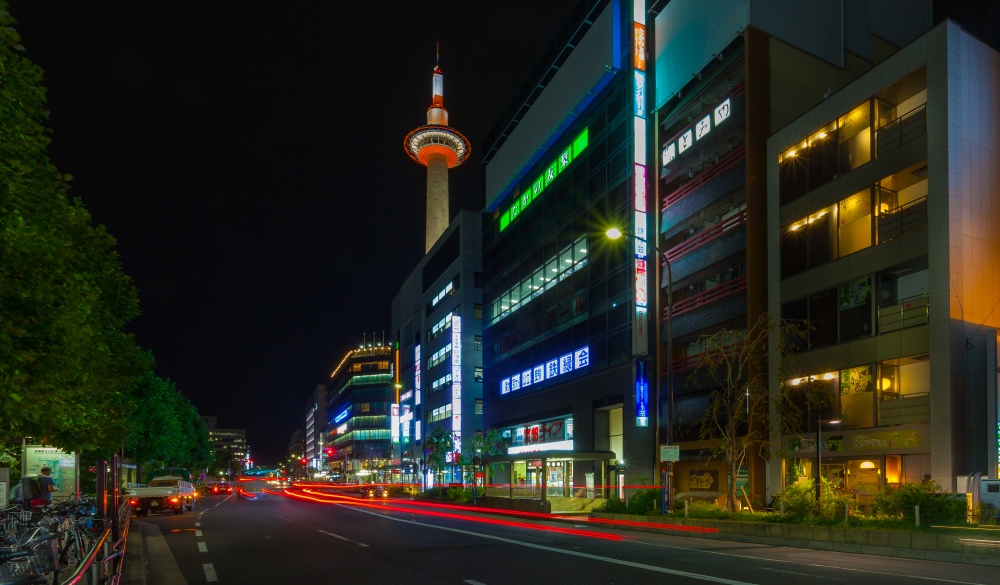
(359, 397)
(228, 442)
(315, 421)
(884, 233)
(437, 324)
(566, 335)
(439, 148)
(716, 99)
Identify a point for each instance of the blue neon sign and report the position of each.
(342, 415)
(563, 364)
(641, 393)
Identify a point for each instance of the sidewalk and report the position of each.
(150, 561)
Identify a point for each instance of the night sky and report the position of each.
(247, 156)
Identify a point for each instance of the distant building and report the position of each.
(228, 442)
(296, 463)
(315, 426)
(358, 399)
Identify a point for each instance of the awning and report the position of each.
(535, 455)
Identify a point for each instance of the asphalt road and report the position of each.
(352, 541)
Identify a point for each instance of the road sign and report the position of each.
(670, 453)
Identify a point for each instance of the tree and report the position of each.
(438, 444)
(476, 447)
(736, 419)
(65, 361)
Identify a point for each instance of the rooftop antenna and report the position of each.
(437, 59)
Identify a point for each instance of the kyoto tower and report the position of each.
(439, 148)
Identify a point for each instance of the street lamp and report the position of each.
(819, 459)
(668, 486)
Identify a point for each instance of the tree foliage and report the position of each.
(480, 445)
(736, 419)
(70, 375)
(438, 444)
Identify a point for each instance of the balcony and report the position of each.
(690, 362)
(716, 305)
(906, 313)
(906, 128)
(713, 184)
(902, 220)
(717, 243)
(903, 409)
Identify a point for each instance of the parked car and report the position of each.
(167, 492)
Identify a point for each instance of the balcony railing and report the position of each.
(909, 312)
(902, 220)
(731, 159)
(711, 295)
(690, 362)
(901, 130)
(698, 240)
(903, 409)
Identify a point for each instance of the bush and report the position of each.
(935, 507)
(800, 501)
(642, 503)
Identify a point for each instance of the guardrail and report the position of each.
(94, 568)
(904, 409)
(901, 130)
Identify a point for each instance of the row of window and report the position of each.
(439, 356)
(440, 382)
(845, 312)
(440, 327)
(440, 413)
(897, 203)
(543, 278)
(361, 366)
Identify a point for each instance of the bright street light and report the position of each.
(668, 485)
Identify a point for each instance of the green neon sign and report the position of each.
(549, 175)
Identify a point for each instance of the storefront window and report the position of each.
(855, 137)
(856, 222)
(864, 479)
(856, 309)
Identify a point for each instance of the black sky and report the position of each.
(247, 156)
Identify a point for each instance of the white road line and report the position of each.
(283, 518)
(361, 544)
(574, 553)
(197, 523)
(210, 572)
(219, 504)
(197, 532)
(473, 582)
(202, 547)
(842, 568)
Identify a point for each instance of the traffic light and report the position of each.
(304, 461)
(329, 451)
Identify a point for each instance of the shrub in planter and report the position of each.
(935, 507)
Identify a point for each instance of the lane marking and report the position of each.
(574, 553)
(219, 504)
(210, 572)
(197, 532)
(197, 523)
(283, 518)
(817, 565)
(202, 547)
(811, 576)
(361, 544)
(473, 582)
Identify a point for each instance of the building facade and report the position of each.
(315, 429)
(718, 97)
(228, 444)
(437, 322)
(565, 331)
(884, 235)
(359, 396)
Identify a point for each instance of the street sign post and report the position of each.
(670, 453)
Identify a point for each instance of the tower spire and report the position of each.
(439, 148)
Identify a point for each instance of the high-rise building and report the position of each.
(883, 210)
(359, 396)
(230, 444)
(439, 148)
(437, 321)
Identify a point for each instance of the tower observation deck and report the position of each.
(439, 148)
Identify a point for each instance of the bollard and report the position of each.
(782, 506)
(916, 513)
(685, 508)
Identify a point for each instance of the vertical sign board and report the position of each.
(416, 375)
(64, 466)
(456, 381)
(640, 333)
(641, 393)
(394, 421)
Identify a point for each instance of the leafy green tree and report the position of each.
(65, 361)
(476, 447)
(438, 444)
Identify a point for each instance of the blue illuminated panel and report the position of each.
(553, 368)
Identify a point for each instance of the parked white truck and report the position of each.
(164, 492)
